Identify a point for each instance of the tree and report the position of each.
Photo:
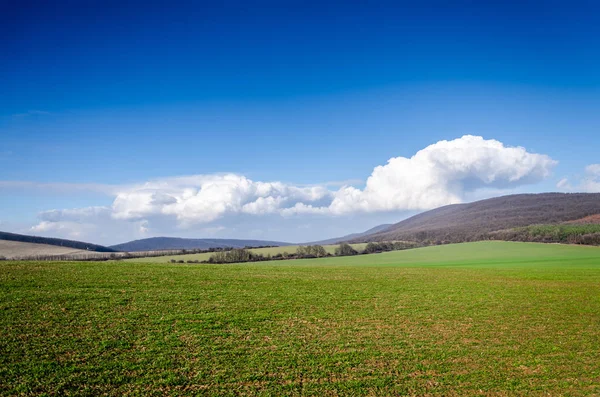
(311, 251)
(234, 256)
(303, 251)
(371, 248)
(345, 250)
(318, 251)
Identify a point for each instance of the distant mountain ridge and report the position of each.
(80, 245)
(376, 229)
(169, 243)
(449, 224)
(472, 221)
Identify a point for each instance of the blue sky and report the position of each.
(105, 105)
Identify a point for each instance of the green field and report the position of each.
(489, 318)
(290, 249)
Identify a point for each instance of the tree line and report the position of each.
(240, 255)
(585, 234)
(106, 256)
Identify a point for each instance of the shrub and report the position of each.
(311, 251)
(371, 248)
(234, 256)
(345, 250)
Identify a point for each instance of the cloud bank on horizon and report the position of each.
(440, 174)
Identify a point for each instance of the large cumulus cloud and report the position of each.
(442, 173)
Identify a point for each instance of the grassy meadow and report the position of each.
(487, 318)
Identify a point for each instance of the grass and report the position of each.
(490, 318)
(265, 251)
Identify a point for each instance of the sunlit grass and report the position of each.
(489, 318)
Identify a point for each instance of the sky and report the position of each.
(291, 120)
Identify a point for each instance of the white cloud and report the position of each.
(593, 170)
(564, 184)
(205, 198)
(62, 188)
(443, 173)
(75, 214)
(93, 224)
(71, 223)
(589, 183)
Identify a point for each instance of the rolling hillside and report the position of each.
(169, 243)
(17, 249)
(473, 221)
(77, 245)
(376, 229)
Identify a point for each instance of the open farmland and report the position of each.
(487, 318)
(204, 256)
(17, 249)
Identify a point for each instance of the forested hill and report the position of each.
(352, 236)
(168, 243)
(80, 245)
(473, 221)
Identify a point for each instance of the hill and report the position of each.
(474, 221)
(77, 245)
(17, 249)
(376, 229)
(169, 243)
